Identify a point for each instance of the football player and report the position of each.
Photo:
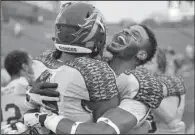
(80, 78)
(13, 96)
(19, 65)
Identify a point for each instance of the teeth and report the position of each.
(122, 38)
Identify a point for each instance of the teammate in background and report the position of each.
(5, 77)
(187, 62)
(19, 65)
(168, 116)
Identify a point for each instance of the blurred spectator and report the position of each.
(18, 29)
(158, 63)
(40, 19)
(190, 52)
(178, 63)
(170, 55)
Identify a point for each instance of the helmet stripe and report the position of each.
(94, 29)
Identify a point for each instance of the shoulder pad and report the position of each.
(150, 89)
(47, 59)
(175, 85)
(100, 80)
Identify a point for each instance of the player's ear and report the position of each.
(142, 54)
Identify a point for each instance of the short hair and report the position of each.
(151, 47)
(161, 60)
(14, 60)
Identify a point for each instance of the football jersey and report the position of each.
(139, 92)
(169, 115)
(82, 79)
(13, 100)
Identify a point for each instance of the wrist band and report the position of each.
(110, 123)
(52, 122)
(74, 127)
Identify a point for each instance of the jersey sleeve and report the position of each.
(150, 90)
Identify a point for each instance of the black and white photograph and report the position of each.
(97, 67)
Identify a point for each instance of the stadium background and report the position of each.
(36, 37)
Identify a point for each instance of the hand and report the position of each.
(44, 94)
(14, 128)
(33, 119)
(107, 56)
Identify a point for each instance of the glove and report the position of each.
(32, 119)
(44, 94)
(14, 128)
(152, 123)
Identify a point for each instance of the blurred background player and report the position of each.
(18, 30)
(5, 77)
(19, 66)
(168, 116)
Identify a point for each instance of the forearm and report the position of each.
(167, 109)
(64, 126)
(122, 121)
(95, 128)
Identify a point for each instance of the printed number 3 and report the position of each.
(17, 116)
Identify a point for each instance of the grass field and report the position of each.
(34, 41)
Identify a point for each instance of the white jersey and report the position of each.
(79, 80)
(13, 100)
(170, 112)
(70, 84)
(139, 92)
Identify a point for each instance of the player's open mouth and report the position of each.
(119, 41)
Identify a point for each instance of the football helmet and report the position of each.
(79, 28)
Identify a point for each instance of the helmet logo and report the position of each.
(87, 24)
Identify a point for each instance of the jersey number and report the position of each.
(17, 116)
